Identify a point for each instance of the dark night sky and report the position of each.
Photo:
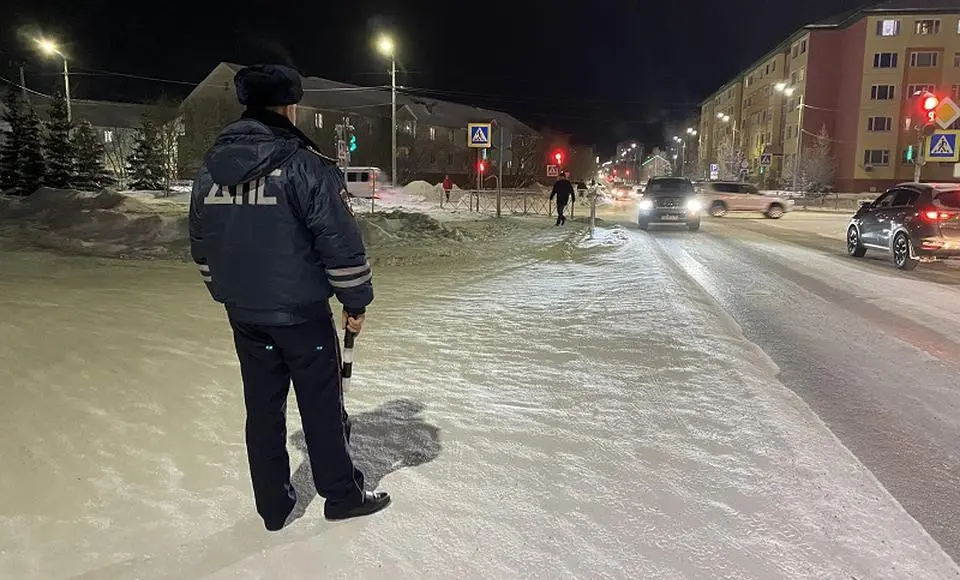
(604, 70)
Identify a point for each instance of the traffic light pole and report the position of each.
(920, 160)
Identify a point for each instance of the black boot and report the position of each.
(369, 502)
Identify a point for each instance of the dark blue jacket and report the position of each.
(270, 228)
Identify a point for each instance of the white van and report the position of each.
(365, 181)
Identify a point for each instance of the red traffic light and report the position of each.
(558, 157)
(482, 166)
(930, 102)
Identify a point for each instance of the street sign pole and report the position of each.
(918, 163)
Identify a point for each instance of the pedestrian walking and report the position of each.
(447, 186)
(274, 238)
(563, 191)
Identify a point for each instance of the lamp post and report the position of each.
(50, 48)
(788, 91)
(387, 48)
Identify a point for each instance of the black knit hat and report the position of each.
(268, 85)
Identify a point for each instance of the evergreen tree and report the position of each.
(30, 163)
(60, 154)
(91, 174)
(10, 150)
(146, 161)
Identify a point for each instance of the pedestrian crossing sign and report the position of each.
(478, 135)
(942, 147)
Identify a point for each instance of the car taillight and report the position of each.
(935, 215)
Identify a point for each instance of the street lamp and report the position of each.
(386, 47)
(50, 48)
(788, 91)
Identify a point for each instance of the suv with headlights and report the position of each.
(913, 222)
(670, 200)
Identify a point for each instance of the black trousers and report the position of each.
(309, 354)
(561, 219)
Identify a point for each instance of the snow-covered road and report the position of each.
(584, 409)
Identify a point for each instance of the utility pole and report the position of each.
(66, 88)
(393, 116)
(500, 170)
(798, 155)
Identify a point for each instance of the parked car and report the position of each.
(723, 197)
(365, 181)
(669, 200)
(913, 223)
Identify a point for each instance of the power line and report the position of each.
(19, 86)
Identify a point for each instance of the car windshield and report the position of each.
(670, 186)
(950, 199)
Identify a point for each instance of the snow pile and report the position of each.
(140, 225)
(422, 190)
(104, 224)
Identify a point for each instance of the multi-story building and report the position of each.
(850, 78)
(431, 134)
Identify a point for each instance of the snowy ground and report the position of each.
(565, 408)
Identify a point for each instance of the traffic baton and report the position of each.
(347, 370)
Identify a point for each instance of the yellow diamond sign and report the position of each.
(947, 112)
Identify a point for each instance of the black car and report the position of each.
(913, 222)
(669, 200)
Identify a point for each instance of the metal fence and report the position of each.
(512, 202)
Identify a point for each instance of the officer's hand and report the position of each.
(353, 324)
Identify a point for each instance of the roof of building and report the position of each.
(323, 93)
(843, 20)
(102, 114)
(847, 18)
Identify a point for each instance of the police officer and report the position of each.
(274, 239)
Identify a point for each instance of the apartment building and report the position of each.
(852, 75)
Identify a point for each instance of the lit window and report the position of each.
(923, 59)
(927, 27)
(876, 157)
(885, 60)
(108, 136)
(888, 27)
(318, 120)
(433, 133)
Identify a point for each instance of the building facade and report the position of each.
(846, 82)
(431, 134)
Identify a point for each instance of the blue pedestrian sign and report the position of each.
(478, 135)
(942, 147)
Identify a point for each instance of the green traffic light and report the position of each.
(353, 143)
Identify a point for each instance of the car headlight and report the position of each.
(694, 205)
(646, 204)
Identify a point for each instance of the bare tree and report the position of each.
(169, 129)
(116, 150)
(527, 152)
(202, 119)
(729, 159)
(819, 165)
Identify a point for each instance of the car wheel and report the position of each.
(775, 211)
(718, 209)
(901, 253)
(643, 225)
(693, 225)
(854, 247)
